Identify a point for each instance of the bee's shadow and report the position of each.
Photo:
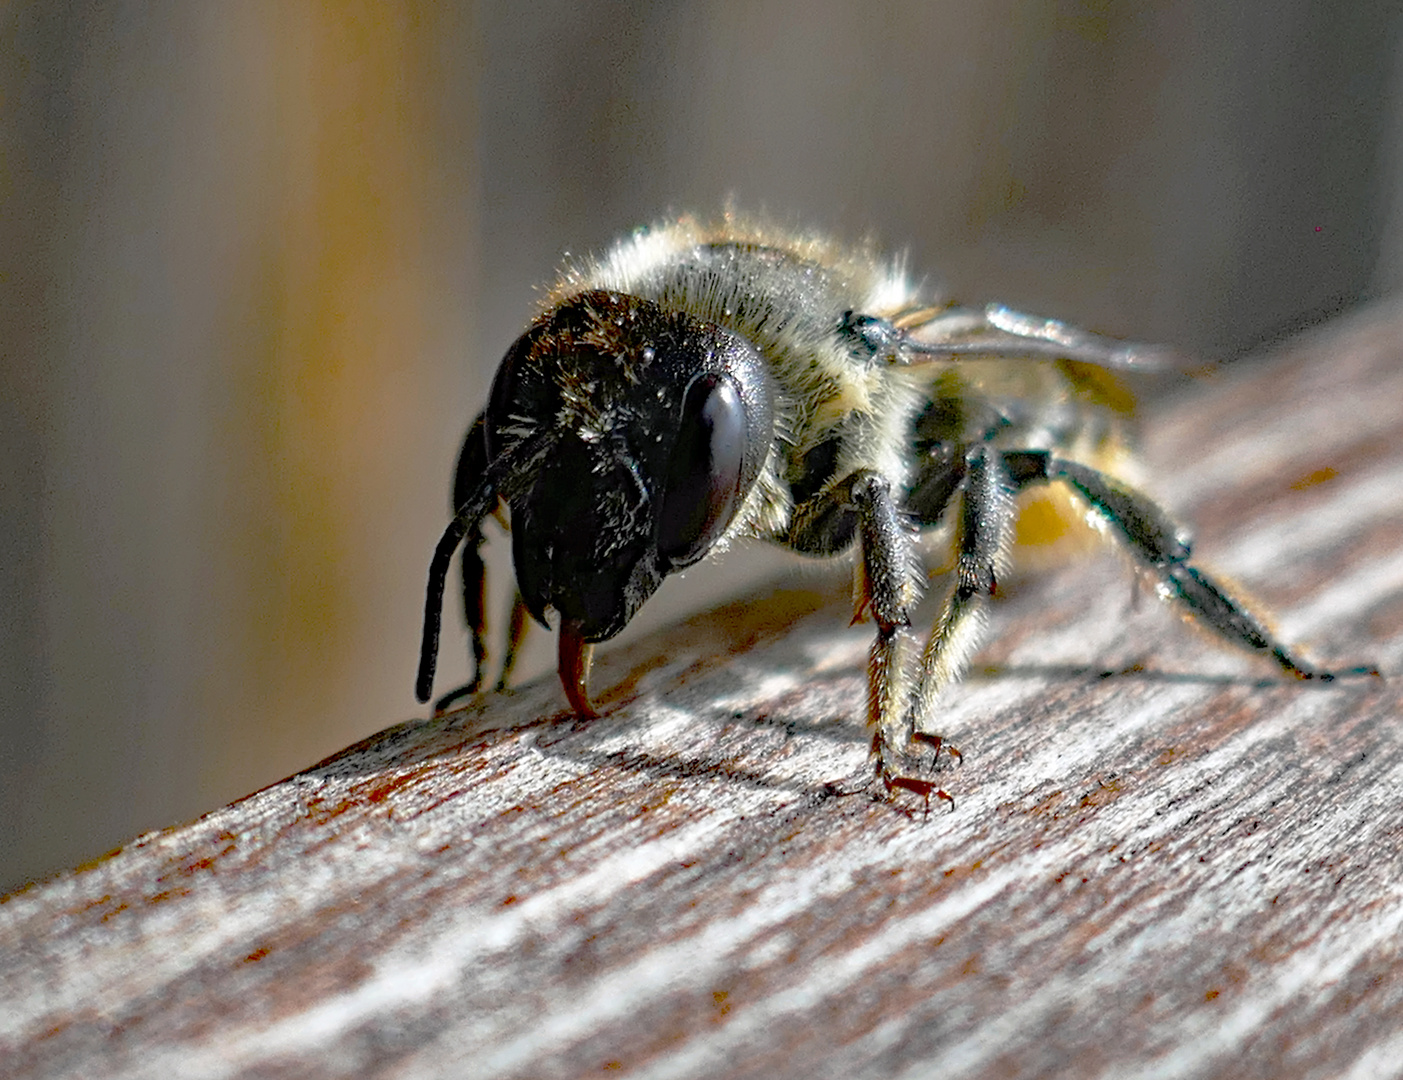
(1135, 672)
(839, 731)
(425, 740)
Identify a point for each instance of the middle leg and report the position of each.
(984, 535)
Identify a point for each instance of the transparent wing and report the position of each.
(996, 330)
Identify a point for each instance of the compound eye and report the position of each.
(703, 476)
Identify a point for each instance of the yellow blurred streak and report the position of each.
(341, 318)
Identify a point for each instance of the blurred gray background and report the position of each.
(260, 261)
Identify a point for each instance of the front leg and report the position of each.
(860, 507)
(887, 589)
(472, 464)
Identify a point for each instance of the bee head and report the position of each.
(648, 428)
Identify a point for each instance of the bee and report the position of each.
(702, 384)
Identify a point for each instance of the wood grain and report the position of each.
(1164, 860)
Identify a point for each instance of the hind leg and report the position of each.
(1160, 546)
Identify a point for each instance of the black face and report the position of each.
(658, 424)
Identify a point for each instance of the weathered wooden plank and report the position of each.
(1186, 868)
